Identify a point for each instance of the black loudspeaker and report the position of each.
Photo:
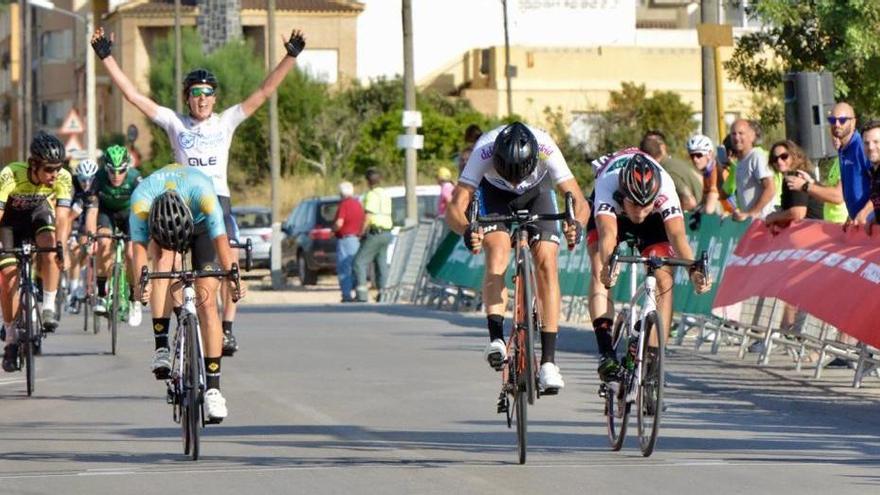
(809, 97)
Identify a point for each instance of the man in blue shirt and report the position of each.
(855, 169)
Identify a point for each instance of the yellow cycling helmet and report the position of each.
(443, 173)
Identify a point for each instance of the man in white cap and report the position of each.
(702, 153)
(347, 225)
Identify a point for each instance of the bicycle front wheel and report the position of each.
(525, 302)
(616, 408)
(30, 338)
(114, 307)
(192, 386)
(649, 399)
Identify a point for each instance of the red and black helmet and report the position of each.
(640, 180)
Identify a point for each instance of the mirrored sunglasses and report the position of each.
(697, 155)
(781, 156)
(839, 120)
(199, 91)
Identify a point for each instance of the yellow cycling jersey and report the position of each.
(17, 192)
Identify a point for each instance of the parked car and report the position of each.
(309, 245)
(254, 223)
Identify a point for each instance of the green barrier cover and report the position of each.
(454, 264)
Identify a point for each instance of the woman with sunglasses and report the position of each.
(787, 158)
(202, 138)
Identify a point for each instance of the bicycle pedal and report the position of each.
(162, 374)
(503, 403)
(213, 421)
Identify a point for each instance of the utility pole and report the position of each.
(507, 69)
(91, 105)
(409, 94)
(26, 76)
(278, 279)
(178, 57)
(709, 15)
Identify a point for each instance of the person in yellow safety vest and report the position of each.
(376, 236)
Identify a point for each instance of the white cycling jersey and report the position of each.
(607, 185)
(481, 166)
(204, 144)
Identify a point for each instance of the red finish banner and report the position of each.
(831, 274)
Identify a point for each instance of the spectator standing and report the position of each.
(871, 138)
(755, 186)
(688, 183)
(702, 154)
(348, 225)
(855, 170)
(471, 135)
(787, 158)
(376, 236)
(830, 193)
(444, 178)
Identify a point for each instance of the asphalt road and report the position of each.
(386, 399)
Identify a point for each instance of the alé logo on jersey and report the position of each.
(188, 140)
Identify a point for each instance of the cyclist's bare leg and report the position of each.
(209, 319)
(546, 255)
(163, 261)
(105, 254)
(496, 245)
(664, 301)
(9, 296)
(129, 263)
(49, 271)
(601, 305)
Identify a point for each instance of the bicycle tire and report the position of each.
(649, 399)
(114, 308)
(521, 424)
(524, 271)
(61, 296)
(30, 339)
(615, 402)
(86, 308)
(192, 385)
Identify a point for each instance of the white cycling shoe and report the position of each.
(495, 353)
(215, 405)
(161, 365)
(135, 314)
(549, 379)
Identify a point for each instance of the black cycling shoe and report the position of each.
(10, 358)
(609, 368)
(230, 345)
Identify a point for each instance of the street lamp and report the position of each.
(91, 117)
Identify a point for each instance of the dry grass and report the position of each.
(291, 189)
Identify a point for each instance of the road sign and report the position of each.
(412, 118)
(715, 34)
(415, 141)
(73, 144)
(73, 124)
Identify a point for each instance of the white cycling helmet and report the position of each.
(86, 169)
(700, 143)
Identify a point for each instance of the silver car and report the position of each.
(255, 223)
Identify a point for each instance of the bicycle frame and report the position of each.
(646, 292)
(178, 359)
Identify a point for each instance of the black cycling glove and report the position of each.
(295, 44)
(102, 46)
(467, 237)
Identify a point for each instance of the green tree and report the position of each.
(839, 36)
(631, 112)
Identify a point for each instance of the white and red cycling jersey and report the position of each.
(608, 198)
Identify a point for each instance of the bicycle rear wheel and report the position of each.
(649, 399)
(192, 386)
(616, 408)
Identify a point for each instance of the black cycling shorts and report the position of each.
(540, 199)
(202, 251)
(18, 226)
(119, 219)
(228, 219)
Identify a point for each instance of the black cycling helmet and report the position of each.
(47, 148)
(199, 76)
(171, 222)
(515, 153)
(640, 180)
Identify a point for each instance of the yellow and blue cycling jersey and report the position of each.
(193, 186)
(18, 193)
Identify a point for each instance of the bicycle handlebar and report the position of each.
(522, 217)
(28, 249)
(188, 276)
(248, 248)
(656, 262)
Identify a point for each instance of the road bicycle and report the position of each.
(519, 379)
(117, 303)
(639, 329)
(29, 328)
(186, 384)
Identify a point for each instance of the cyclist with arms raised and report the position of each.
(34, 204)
(515, 167)
(633, 198)
(176, 208)
(115, 183)
(202, 138)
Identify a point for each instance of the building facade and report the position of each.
(10, 83)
